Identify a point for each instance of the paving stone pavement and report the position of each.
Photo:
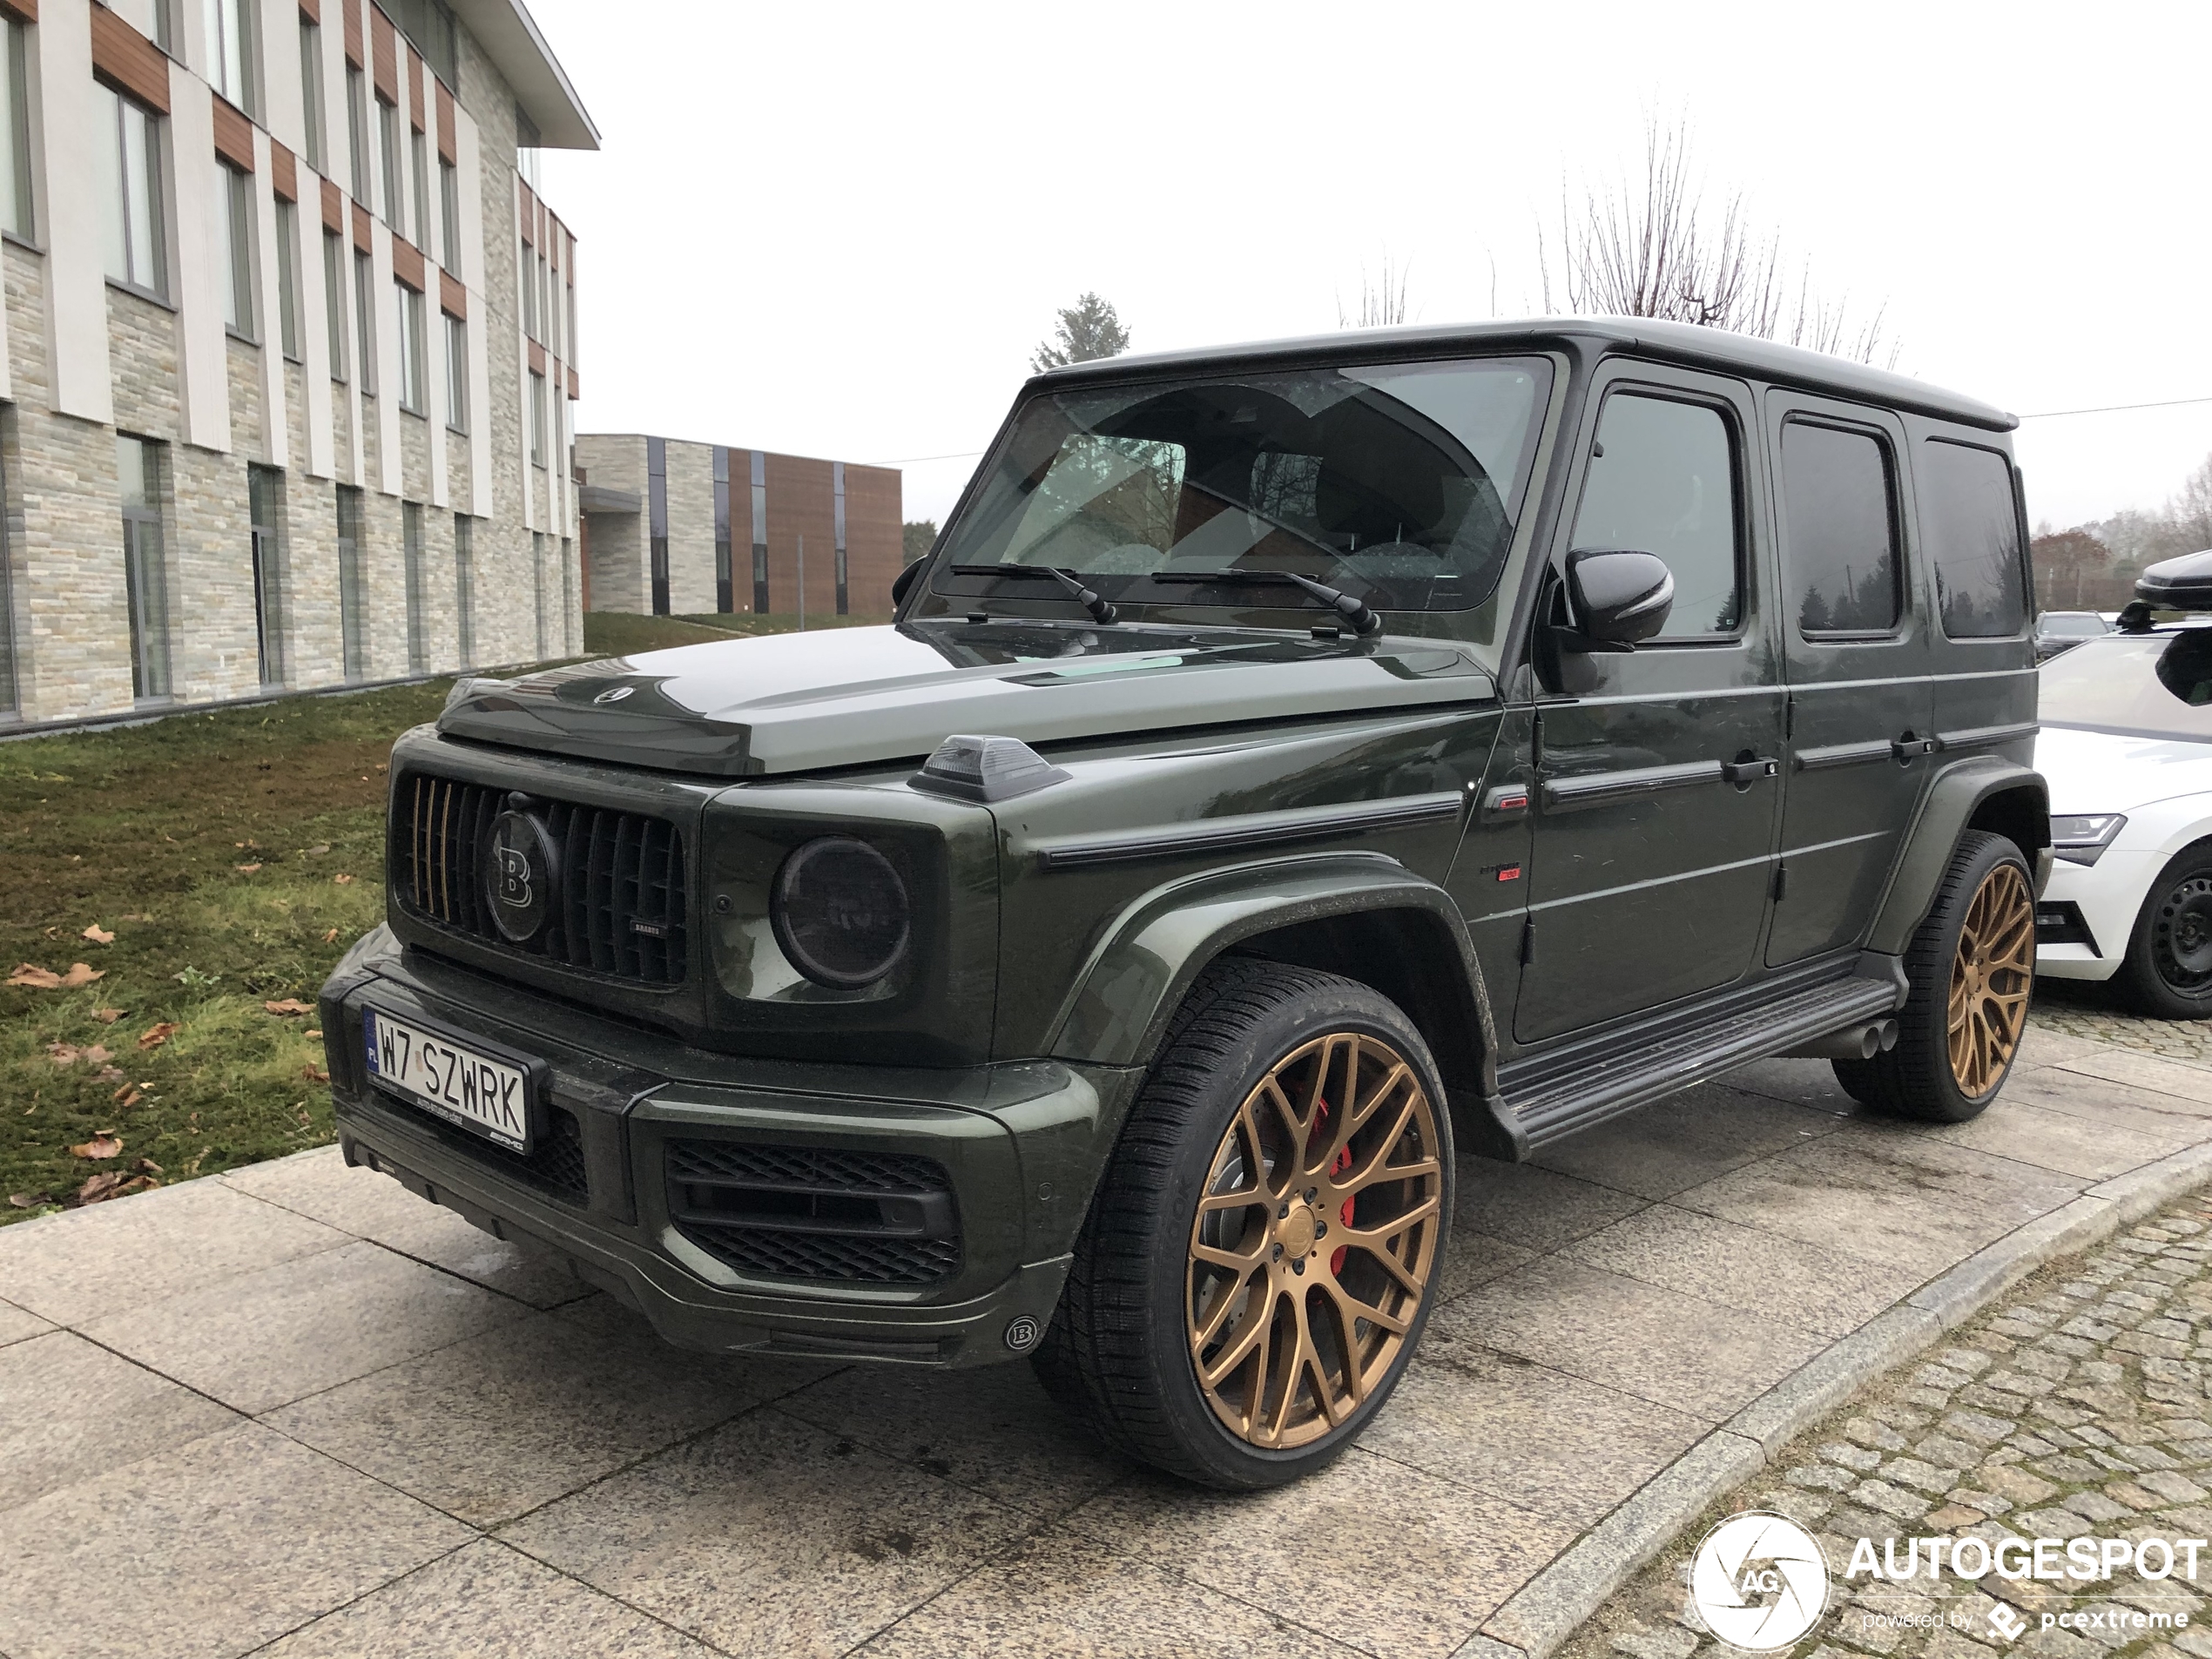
(294, 1410)
(2075, 1407)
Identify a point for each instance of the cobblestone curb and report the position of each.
(1546, 1611)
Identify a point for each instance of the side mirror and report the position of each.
(1615, 598)
(903, 583)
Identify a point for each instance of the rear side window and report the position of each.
(1973, 534)
(1662, 480)
(1839, 502)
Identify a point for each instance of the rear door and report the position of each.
(1656, 795)
(1855, 651)
(1974, 546)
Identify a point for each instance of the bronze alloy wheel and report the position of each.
(1991, 973)
(1315, 1239)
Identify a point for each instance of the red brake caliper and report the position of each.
(1342, 1163)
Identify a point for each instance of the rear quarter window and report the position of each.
(1972, 528)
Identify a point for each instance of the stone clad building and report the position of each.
(288, 353)
(674, 528)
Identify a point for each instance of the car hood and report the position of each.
(2110, 771)
(849, 696)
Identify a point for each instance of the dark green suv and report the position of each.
(1294, 766)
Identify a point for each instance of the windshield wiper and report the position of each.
(1354, 612)
(1088, 598)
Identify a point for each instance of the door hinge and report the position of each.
(1528, 940)
(1781, 881)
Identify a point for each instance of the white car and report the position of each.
(2125, 747)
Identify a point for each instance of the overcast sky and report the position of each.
(840, 230)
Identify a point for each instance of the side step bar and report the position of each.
(1554, 1108)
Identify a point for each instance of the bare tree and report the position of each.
(1652, 248)
(1382, 305)
(1089, 328)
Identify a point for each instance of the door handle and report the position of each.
(1751, 770)
(1909, 747)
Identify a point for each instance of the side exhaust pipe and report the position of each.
(1852, 1043)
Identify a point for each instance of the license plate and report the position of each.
(459, 1083)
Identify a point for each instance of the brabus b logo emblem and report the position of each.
(520, 868)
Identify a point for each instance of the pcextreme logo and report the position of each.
(1759, 1582)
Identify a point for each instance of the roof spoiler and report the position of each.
(2183, 583)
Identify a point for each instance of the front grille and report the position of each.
(815, 1212)
(622, 910)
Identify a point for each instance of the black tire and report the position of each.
(1119, 1351)
(2167, 973)
(1916, 1079)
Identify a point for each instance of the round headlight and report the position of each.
(840, 913)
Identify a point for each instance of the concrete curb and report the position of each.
(1541, 1615)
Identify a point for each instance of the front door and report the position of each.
(1656, 770)
(1855, 648)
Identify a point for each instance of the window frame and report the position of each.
(155, 205)
(357, 143)
(314, 114)
(334, 293)
(456, 373)
(1736, 432)
(1894, 478)
(365, 321)
(22, 224)
(241, 318)
(153, 658)
(449, 216)
(390, 161)
(291, 337)
(540, 438)
(419, 170)
(414, 366)
(216, 19)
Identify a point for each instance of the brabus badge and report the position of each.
(520, 868)
(614, 695)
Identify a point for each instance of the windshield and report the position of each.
(1401, 483)
(2141, 685)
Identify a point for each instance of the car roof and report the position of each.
(1681, 343)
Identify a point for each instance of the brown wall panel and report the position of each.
(407, 263)
(311, 10)
(449, 143)
(416, 111)
(284, 173)
(872, 537)
(801, 501)
(129, 62)
(453, 299)
(24, 11)
(362, 239)
(536, 357)
(384, 50)
(233, 136)
(356, 54)
(334, 207)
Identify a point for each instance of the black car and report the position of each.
(2058, 631)
(1294, 766)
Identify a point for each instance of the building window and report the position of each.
(365, 321)
(837, 502)
(334, 295)
(146, 574)
(413, 363)
(418, 654)
(537, 419)
(357, 130)
(287, 235)
(422, 191)
(570, 356)
(464, 587)
(449, 210)
(395, 197)
(230, 50)
(352, 585)
(725, 597)
(150, 18)
(530, 296)
(15, 132)
(237, 225)
(656, 519)
(526, 143)
(130, 158)
(760, 532)
(457, 374)
(538, 577)
(311, 102)
(429, 25)
(262, 487)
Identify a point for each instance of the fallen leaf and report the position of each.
(316, 851)
(28, 1200)
(103, 1145)
(136, 1184)
(95, 1056)
(64, 1053)
(39, 979)
(100, 1186)
(247, 869)
(147, 1166)
(155, 1036)
(81, 974)
(343, 880)
(108, 1075)
(315, 1074)
(312, 1031)
(107, 1016)
(382, 765)
(127, 1096)
(290, 1005)
(98, 934)
(331, 937)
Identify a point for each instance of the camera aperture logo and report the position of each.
(1759, 1582)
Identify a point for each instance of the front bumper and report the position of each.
(2086, 914)
(1020, 1146)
